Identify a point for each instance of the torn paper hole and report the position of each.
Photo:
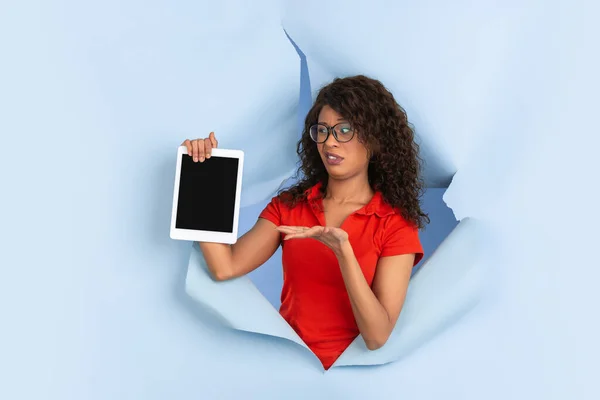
(446, 287)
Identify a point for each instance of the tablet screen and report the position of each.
(206, 199)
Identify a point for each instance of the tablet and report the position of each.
(206, 199)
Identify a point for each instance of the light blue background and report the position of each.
(95, 97)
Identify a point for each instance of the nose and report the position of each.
(331, 140)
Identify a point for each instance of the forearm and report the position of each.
(248, 253)
(219, 259)
(371, 317)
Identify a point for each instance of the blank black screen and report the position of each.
(207, 194)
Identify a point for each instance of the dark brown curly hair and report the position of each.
(382, 125)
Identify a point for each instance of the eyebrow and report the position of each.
(339, 120)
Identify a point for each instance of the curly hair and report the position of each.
(382, 125)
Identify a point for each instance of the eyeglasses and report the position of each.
(342, 132)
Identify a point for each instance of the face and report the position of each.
(342, 160)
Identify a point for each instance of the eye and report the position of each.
(345, 129)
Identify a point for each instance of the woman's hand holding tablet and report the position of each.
(201, 149)
(206, 198)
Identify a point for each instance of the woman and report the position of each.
(348, 228)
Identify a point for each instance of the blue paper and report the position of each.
(446, 287)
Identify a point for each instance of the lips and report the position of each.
(328, 154)
(333, 159)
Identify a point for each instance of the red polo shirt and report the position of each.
(314, 300)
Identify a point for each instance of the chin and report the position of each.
(337, 173)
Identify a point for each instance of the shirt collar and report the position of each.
(377, 204)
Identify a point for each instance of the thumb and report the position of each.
(213, 139)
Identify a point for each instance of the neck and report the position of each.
(354, 189)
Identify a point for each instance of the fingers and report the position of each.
(291, 229)
(213, 140)
(188, 144)
(293, 232)
(201, 149)
(296, 236)
(299, 232)
(195, 152)
(207, 147)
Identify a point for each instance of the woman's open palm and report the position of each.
(330, 236)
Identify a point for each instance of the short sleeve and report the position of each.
(401, 237)
(272, 211)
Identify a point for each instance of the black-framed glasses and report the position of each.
(342, 132)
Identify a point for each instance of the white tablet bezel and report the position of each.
(208, 236)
